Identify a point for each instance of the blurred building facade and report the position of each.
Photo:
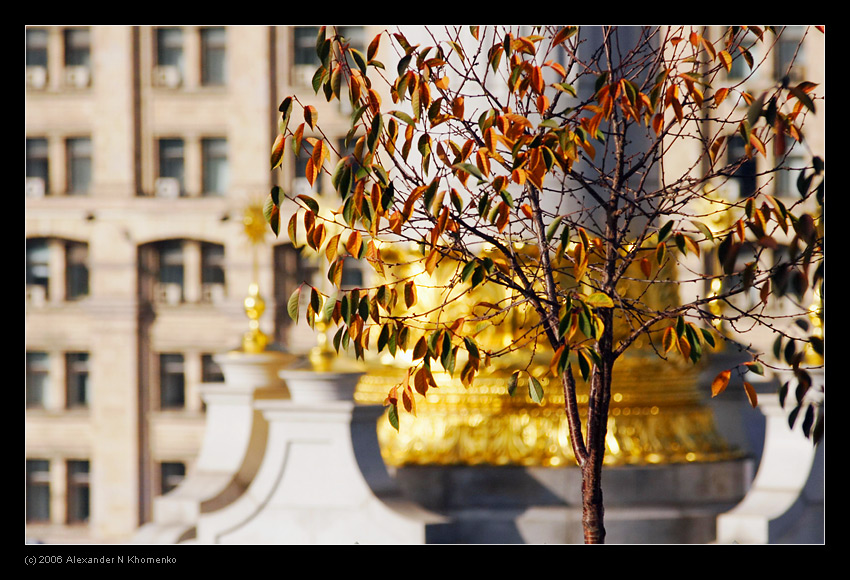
(144, 147)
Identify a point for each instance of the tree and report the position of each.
(591, 164)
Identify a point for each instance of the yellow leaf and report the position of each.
(726, 59)
(720, 382)
(599, 300)
(333, 247)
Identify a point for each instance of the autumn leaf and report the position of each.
(668, 341)
(311, 116)
(599, 300)
(720, 382)
(752, 397)
(277, 150)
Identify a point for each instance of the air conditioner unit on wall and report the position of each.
(168, 293)
(213, 293)
(167, 77)
(35, 187)
(168, 187)
(36, 295)
(78, 77)
(36, 77)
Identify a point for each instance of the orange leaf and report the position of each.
(646, 267)
(311, 116)
(431, 261)
(756, 142)
(277, 150)
(669, 338)
(353, 244)
(720, 382)
(726, 59)
(751, 394)
(684, 347)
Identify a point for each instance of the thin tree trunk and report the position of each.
(593, 510)
(597, 428)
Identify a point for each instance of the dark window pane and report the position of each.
(77, 47)
(38, 490)
(77, 376)
(78, 491)
(171, 381)
(213, 56)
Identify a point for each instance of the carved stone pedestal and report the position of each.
(234, 443)
(322, 480)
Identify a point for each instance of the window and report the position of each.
(304, 46)
(790, 168)
(38, 490)
(77, 379)
(210, 370)
(76, 270)
(738, 42)
(170, 271)
(37, 379)
(77, 58)
(790, 53)
(73, 280)
(77, 47)
(79, 151)
(78, 491)
(172, 387)
(171, 168)
(745, 174)
(37, 166)
(171, 474)
(213, 61)
(36, 58)
(169, 47)
(36, 43)
(212, 264)
(37, 268)
(216, 176)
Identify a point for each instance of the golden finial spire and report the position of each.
(254, 341)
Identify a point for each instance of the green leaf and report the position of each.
(309, 202)
(392, 415)
(664, 232)
(403, 117)
(292, 304)
(755, 110)
(469, 168)
(535, 389)
(755, 367)
(553, 227)
(512, 383)
(703, 229)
